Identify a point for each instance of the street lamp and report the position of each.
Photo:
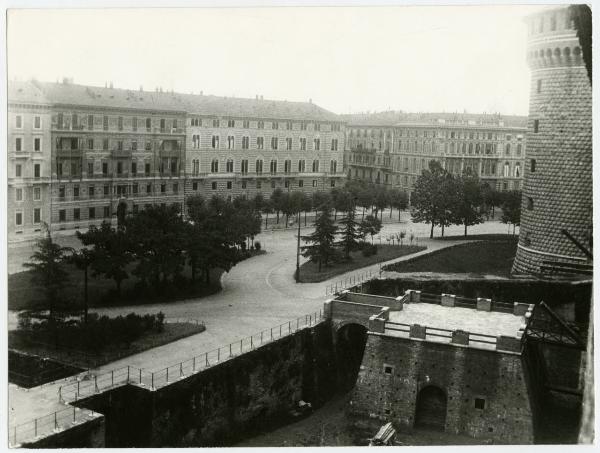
(298, 251)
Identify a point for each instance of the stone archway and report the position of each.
(350, 346)
(430, 411)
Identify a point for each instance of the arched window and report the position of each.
(507, 151)
(315, 166)
(214, 166)
(259, 166)
(532, 166)
(287, 166)
(519, 149)
(506, 169)
(229, 166)
(333, 167)
(273, 168)
(517, 170)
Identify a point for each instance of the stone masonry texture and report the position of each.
(464, 374)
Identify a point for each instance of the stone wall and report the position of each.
(238, 398)
(487, 394)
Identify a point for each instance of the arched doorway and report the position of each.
(430, 412)
(350, 346)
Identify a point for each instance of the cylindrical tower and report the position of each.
(557, 193)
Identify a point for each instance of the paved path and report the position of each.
(257, 294)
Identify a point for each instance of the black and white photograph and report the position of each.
(298, 224)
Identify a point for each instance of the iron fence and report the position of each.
(348, 282)
(47, 424)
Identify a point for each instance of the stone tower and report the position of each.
(557, 193)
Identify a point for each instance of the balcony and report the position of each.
(169, 130)
(74, 152)
(121, 153)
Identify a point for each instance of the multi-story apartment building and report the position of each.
(79, 154)
(245, 146)
(392, 148)
(28, 150)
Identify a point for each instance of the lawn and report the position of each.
(494, 257)
(101, 291)
(309, 271)
(27, 341)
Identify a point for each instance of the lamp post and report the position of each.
(298, 252)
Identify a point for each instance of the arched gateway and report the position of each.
(431, 408)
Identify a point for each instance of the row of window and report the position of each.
(36, 170)
(166, 165)
(20, 123)
(229, 185)
(479, 135)
(259, 143)
(19, 194)
(118, 190)
(260, 124)
(37, 217)
(20, 144)
(258, 167)
(91, 122)
(74, 143)
(550, 23)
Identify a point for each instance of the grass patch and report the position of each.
(489, 257)
(101, 291)
(41, 345)
(309, 271)
(479, 237)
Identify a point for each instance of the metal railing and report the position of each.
(210, 358)
(348, 282)
(47, 424)
(440, 333)
(92, 384)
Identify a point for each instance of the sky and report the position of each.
(346, 59)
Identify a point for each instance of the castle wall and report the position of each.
(395, 369)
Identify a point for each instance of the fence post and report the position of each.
(310, 320)
(218, 354)
(128, 374)
(77, 388)
(96, 383)
(112, 378)
(289, 327)
(206, 358)
(194, 364)
(15, 435)
(35, 421)
(73, 414)
(140, 375)
(297, 323)
(279, 330)
(167, 374)
(180, 369)
(251, 344)
(241, 347)
(55, 421)
(261, 337)
(271, 334)
(230, 350)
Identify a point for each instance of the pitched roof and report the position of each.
(25, 92)
(88, 96)
(399, 118)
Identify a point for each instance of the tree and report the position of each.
(267, 208)
(370, 226)
(112, 252)
(306, 205)
(350, 232)
(366, 198)
(47, 272)
(321, 201)
(469, 199)
(511, 208)
(433, 196)
(399, 200)
(380, 200)
(276, 201)
(82, 259)
(322, 239)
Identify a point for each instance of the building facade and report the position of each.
(79, 154)
(393, 148)
(557, 192)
